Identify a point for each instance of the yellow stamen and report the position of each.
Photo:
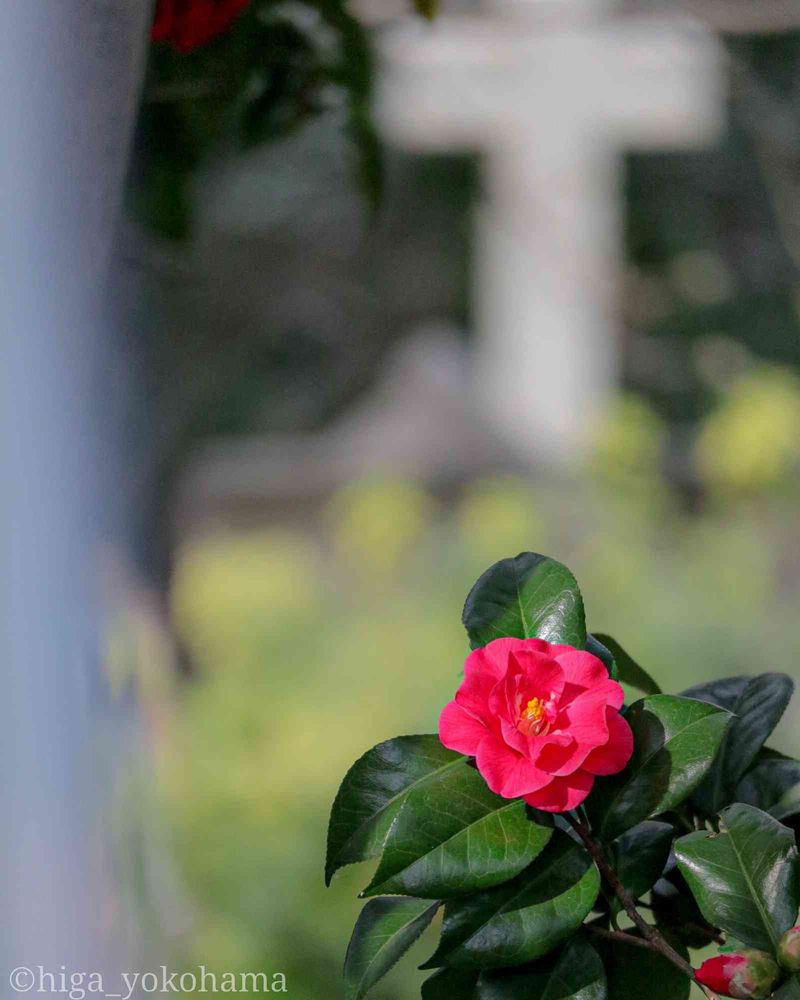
(534, 710)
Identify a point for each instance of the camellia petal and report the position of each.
(615, 754)
(582, 670)
(531, 675)
(562, 794)
(459, 730)
(586, 721)
(507, 773)
(492, 658)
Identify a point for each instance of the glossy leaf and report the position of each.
(757, 706)
(772, 784)
(789, 991)
(523, 919)
(384, 931)
(675, 740)
(676, 912)
(744, 878)
(602, 652)
(451, 984)
(373, 791)
(573, 973)
(628, 670)
(452, 835)
(527, 596)
(722, 693)
(636, 973)
(639, 856)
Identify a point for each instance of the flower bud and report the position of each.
(789, 950)
(744, 975)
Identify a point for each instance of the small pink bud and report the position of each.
(744, 975)
(789, 950)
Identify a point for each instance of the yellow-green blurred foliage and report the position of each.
(628, 444)
(752, 441)
(310, 648)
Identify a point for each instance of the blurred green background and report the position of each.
(270, 644)
(312, 645)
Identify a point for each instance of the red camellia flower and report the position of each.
(188, 24)
(541, 721)
(743, 975)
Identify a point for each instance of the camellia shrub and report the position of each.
(580, 847)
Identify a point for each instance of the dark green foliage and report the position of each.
(639, 857)
(373, 791)
(528, 596)
(530, 907)
(261, 79)
(385, 930)
(790, 990)
(634, 972)
(745, 877)
(453, 836)
(676, 912)
(772, 784)
(628, 670)
(525, 918)
(451, 984)
(757, 704)
(574, 972)
(602, 652)
(675, 740)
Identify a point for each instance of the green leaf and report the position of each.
(373, 791)
(628, 670)
(744, 878)
(528, 596)
(523, 919)
(731, 945)
(772, 784)
(602, 652)
(384, 931)
(574, 973)
(675, 740)
(789, 991)
(453, 835)
(722, 693)
(634, 973)
(639, 857)
(757, 704)
(676, 912)
(451, 984)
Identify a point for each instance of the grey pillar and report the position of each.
(70, 73)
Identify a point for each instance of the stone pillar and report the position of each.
(70, 76)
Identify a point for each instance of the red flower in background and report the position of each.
(188, 24)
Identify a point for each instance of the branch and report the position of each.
(620, 937)
(655, 940)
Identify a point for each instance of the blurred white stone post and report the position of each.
(552, 92)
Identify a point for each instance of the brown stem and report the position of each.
(620, 937)
(655, 940)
